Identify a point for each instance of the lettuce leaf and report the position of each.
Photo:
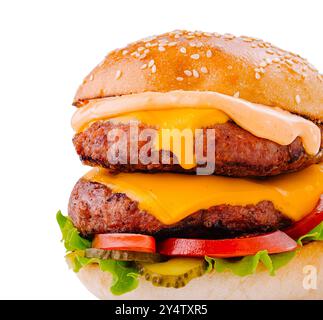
(70, 236)
(248, 265)
(124, 274)
(315, 235)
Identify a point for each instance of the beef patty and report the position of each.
(94, 209)
(237, 152)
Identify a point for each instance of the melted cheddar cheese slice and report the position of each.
(172, 197)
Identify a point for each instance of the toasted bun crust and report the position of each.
(251, 68)
(286, 284)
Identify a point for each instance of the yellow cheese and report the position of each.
(176, 118)
(180, 119)
(172, 197)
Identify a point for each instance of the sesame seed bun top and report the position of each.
(244, 67)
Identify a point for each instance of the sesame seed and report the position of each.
(172, 44)
(188, 73)
(217, 35)
(237, 95)
(161, 49)
(155, 44)
(269, 51)
(192, 44)
(124, 52)
(312, 67)
(177, 36)
(254, 45)
(144, 66)
(153, 69)
(149, 39)
(247, 39)
(189, 37)
(204, 70)
(229, 36)
(140, 49)
(118, 74)
(199, 44)
(163, 41)
(209, 54)
(146, 51)
(143, 56)
(298, 99)
(182, 50)
(195, 56)
(276, 60)
(195, 74)
(91, 77)
(268, 60)
(207, 34)
(179, 78)
(258, 76)
(151, 63)
(289, 62)
(263, 64)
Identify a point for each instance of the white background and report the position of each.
(46, 49)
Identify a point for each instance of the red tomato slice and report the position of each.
(275, 242)
(124, 241)
(308, 223)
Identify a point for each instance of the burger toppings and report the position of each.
(123, 255)
(124, 241)
(174, 273)
(275, 242)
(126, 266)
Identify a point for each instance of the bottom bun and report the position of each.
(302, 278)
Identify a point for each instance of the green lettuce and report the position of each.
(70, 236)
(248, 265)
(124, 274)
(315, 235)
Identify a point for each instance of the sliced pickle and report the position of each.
(123, 255)
(175, 273)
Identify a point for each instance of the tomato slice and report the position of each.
(124, 241)
(308, 223)
(275, 242)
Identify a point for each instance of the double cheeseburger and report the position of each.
(146, 223)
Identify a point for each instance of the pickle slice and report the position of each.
(175, 273)
(123, 255)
